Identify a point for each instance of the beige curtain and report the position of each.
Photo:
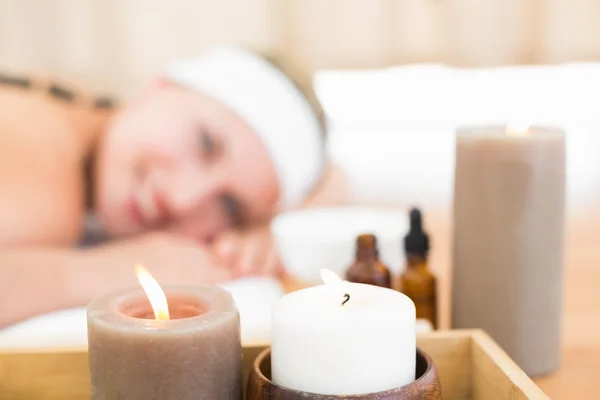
(116, 45)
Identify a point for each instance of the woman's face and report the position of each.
(182, 161)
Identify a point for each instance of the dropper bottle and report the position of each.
(367, 268)
(417, 280)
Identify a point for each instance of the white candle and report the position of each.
(343, 338)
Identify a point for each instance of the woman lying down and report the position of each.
(183, 180)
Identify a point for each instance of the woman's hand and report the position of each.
(249, 251)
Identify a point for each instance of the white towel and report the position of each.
(68, 328)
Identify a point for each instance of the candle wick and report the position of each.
(346, 298)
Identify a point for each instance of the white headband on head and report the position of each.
(271, 104)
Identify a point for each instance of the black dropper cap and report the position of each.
(416, 241)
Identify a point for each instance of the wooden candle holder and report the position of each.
(426, 386)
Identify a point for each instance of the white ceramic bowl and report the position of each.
(312, 239)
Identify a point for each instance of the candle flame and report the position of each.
(155, 294)
(517, 129)
(333, 281)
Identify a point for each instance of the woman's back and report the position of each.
(41, 154)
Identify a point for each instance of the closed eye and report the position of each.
(207, 144)
(233, 209)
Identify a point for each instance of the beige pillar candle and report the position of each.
(509, 206)
(196, 354)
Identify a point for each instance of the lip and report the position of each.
(159, 205)
(162, 211)
(135, 212)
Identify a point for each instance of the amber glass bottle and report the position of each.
(367, 268)
(417, 281)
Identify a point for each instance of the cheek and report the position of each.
(157, 153)
(153, 129)
(124, 143)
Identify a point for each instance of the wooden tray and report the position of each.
(470, 365)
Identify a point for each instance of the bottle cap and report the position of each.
(417, 240)
(366, 242)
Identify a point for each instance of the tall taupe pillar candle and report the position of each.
(194, 355)
(509, 211)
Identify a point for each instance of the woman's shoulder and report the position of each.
(41, 193)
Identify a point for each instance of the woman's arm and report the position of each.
(40, 280)
(33, 282)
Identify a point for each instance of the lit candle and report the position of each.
(509, 206)
(343, 338)
(181, 344)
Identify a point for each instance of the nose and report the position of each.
(191, 187)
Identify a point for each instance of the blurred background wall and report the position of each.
(115, 45)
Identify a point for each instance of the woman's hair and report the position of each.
(302, 79)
